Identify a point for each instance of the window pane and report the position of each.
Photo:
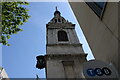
(100, 4)
(97, 7)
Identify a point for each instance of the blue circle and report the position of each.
(98, 71)
(91, 72)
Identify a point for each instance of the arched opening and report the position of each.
(59, 20)
(62, 36)
(55, 20)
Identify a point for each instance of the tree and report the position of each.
(14, 14)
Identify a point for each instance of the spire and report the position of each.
(56, 12)
(57, 17)
(56, 8)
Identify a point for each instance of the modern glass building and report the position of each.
(100, 24)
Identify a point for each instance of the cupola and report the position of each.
(57, 13)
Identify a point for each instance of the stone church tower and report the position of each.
(65, 55)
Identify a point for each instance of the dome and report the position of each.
(57, 12)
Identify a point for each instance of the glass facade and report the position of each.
(97, 7)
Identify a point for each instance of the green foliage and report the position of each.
(14, 14)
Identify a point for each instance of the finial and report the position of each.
(56, 8)
(56, 12)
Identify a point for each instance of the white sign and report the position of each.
(99, 69)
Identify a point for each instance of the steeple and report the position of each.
(65, 55)
(57, 17)
(57, 13)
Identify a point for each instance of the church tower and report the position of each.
(65, 55)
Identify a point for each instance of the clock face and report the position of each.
(40, 62)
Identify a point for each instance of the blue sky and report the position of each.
(19, 59)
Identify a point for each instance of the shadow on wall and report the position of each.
(119, 35)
